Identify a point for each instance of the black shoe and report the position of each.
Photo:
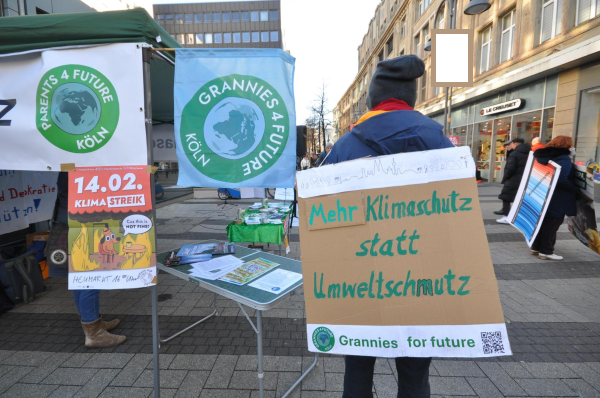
(499, 212)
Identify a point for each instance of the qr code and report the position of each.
(492, 342)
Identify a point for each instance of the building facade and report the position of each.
(536, 73)
(241, 24)
(12, 8)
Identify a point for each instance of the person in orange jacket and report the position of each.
(536, 144)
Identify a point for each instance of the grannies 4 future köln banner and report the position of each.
(235, 121)
(81, 106)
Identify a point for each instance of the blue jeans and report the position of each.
(413, 377)
(88, 304)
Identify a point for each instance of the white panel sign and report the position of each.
(83, 106)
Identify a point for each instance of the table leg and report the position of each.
(155, 341)
(189, 327)
(297, 383)
(259, 349)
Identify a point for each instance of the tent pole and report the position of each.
(147, 57)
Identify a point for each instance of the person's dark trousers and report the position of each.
(546, 238)
(505, 207)
(413, 377)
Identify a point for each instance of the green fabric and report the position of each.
(35, 32)
(38, 32)
(264, 233)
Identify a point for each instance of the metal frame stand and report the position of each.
(259, 351)
(213, 304)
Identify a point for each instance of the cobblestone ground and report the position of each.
(552, 311)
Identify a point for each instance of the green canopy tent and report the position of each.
(43, 32)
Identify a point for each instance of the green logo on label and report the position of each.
(77, 108)
(234, 128)
(323, 339)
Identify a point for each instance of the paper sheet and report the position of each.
(277, 281)
(215, 268)
(249, 271)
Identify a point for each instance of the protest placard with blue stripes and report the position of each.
(235, 119)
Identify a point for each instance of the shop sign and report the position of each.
(503, 107)
(454, 139)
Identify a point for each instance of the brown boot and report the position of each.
(96, 335)
(110, 325)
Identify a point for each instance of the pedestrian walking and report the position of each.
(563, 201)
(509, 147)
(513, 173)
(391, 126)
(87, 301)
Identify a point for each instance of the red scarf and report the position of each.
(392, 104)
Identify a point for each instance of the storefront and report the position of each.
(485, 125)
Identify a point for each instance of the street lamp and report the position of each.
(474, 7)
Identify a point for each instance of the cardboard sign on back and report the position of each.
(395, 258)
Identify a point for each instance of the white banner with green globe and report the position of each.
(82, 106)
(235, 118)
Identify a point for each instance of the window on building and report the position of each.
(264, 36)
(587, 9)
(420, 8)
(179, 19)
(226, 17)
(189, 38)
(216, 17)
(218, 38)
(588, 134)
(181, 38)
(389, 46)
(401, 53)
(380, 56)
(441, 18)
(264, 16)
(424, 86)
(237, 37)
(418, 45)
(246, 37)
(360, 84)
(199, 38)
(169, 18)
(274, 35)
(160, 18)
(235, 16)
(274, 15)
(187, 18)
(253, 16)
(255, 37)
(486, 42)
(198, 17)
(438, 90)
(425, 35)
(245, 16)
(507, 41)
(207, 18)
(208, 38)
(226, 37)
(551, 19)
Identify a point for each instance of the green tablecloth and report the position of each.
(263, 233)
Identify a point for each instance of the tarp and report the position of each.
(39, 32)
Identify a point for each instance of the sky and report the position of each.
(323, 36)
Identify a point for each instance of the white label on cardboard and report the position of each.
(387, 171)
(461, 341)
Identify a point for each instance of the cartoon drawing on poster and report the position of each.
(111, 229)
(26, 197)
(584, 225)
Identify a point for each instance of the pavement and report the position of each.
(552, 310)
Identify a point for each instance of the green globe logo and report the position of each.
(323, 339)
(234, 128)
(77, 108)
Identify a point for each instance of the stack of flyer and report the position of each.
(215, 268)
(252, 220)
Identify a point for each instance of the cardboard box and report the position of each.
(40, 235)
(399, 270)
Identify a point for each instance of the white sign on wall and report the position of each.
(503, 107)
(83, 106)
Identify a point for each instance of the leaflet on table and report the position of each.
(277, 281)
(249, 271)
(206, 248)
(215, 268)
(195, 258)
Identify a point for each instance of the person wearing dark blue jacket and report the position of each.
(391, 126)
(563, 200)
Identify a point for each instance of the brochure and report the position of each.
(277, 281)
(249, 271)
(215, 268)
(190, 250)
(224, 248)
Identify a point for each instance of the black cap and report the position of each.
(396, 78)
(519, 140)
